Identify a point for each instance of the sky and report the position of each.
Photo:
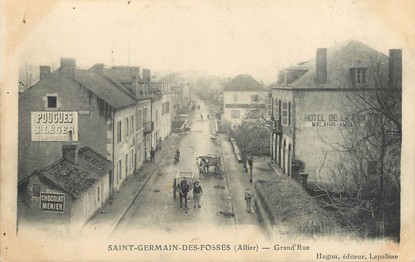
(223, 38)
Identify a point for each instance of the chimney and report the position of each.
(280, 78)
(67, 68)
(70, 151)
(99, 68)
(395, 68)
(147, 75)
(321, 66)
(44, 71)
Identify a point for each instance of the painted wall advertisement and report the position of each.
(54, 202)
(54, 126)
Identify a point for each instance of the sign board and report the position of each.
(326, 120)
(54, 202)
(54, 126)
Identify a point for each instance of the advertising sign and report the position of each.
(54, 202)
(54, 126)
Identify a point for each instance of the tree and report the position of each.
(368, 177)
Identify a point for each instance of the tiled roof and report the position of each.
(340, 58)
(103, 88)
(244, 83)
(77, 179)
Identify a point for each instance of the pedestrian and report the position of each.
(201, 116)
(177, 156)
(159, 144)
(152, 153)
(207, 116)
(184, 189)
(197, 192)
(251, 164)
(248, 197)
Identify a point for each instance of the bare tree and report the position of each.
(368, 177)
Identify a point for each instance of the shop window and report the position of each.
(52, 101)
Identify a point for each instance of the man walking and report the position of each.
(184, 189)
(248, 197)
(152, 153)
(197, 192)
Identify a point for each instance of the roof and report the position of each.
(77, 179)
(103, 88)
(340, 58)
(244, 83)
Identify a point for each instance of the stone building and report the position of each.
(243, 97)
(311, 103)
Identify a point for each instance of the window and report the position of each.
(276, 109)
(120, 169)
(145, 115)
(235, 114)
(126, 164)
(289, 113)
(127, 130)
(132, 125)
(157, 115)
(98, 192)
(254, 98)
(284, 113)
(52, 101)
(132, 158)
(269, 106)
(360, 75)
(139, 120)
(119, 132)
(36, 190)
(235, 98)
(167, 107)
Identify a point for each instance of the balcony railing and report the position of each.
(148, 127)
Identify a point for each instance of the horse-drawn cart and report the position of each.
(207, 163)
(188, 176)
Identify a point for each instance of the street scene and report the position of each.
(238, 139)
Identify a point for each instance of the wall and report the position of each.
(124, 150)
(71, 97)
(29, 205)
(313, 144)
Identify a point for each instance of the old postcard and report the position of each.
(136, 130)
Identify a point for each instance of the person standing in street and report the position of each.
(197, 192)
(152, 153)
(248, 197)
(184, 189)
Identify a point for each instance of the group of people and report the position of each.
(184, 189)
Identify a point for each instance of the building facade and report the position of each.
(312, 103)
(243, 98)
(109, 111)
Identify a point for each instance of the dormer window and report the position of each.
(360, 75)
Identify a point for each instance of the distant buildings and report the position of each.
(243, 97)
(108, 117)
(310, 102)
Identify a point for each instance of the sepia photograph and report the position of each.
(138, 130)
